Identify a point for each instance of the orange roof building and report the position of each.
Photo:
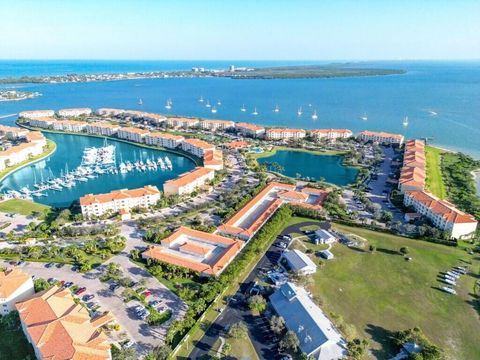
(180, 122)
(74, 112)
(248, 220)
(213, 159)
(15, 285)
(132, 134)
(163, 139)
(285, 133)
(197, 147)
(60, 329)
(413, 172)
(97, 205)
(442, 214)
(188, 182)
(102, 128)
(208, 254)
(237, 144)
(23, 151)
(216, 124)
(251, 130)
(331, 134)
(381, 137)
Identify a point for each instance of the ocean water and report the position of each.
(68, 156)
(441, 99)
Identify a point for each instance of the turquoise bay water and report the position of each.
(441, 99)
(328, 167)
(69, 152)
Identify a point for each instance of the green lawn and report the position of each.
(13, 343)
(434, 171)
(377, 294)
(241, 349)
(23, 207)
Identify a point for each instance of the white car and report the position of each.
(449, 290)
(128, 344)
(450, 282)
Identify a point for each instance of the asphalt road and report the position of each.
(260, 334)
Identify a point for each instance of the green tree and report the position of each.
(238, 330)
(257, 303)
(290, 341)
(41, 284)
(404, 250)
(277, 324)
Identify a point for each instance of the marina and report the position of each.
(91, 165)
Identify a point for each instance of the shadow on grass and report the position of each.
(474, 302)
(383, 337)
(388, 251)
(357, 249)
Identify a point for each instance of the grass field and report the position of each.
(13, 343)
(241, 349)
(23, 207)
(378, 293)
(434, 172)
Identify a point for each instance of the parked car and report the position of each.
(59, 266)
(49, 265)
(51, 280)
(80, 291)
(128, 344)
(114, 286)
(68, 284)
(88, 297)
(147, 293)
(154, 303)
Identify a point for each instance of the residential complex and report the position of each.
(13, 133)
(250, 130)
(163, 139)
(35, 142)
(214, 125)
(330, 134)
(213, 159)
(15, 285)
(69, 125)
(316, 333)
(102, 128)
(97, 205)
(184, 123)
(189, 182)
(74, 112)
(248, 220)
(36, 114)
(381, 137)
(132, 134)
(285, 134)
(197, 147)
(60, 329)
(208, 254)
(413, 172)
(442, 214)
(42, 122)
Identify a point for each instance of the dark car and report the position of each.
(80, 291)
(114, 286)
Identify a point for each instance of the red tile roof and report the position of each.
(118, 194)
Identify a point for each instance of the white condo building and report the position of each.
(331, 134)
(74, 112)
(132, 134)
(282, 134)
(184, 123)
(197, 147)
(251, 130)
(69, 125)
(36, 114)
(101, 128)
(442, 214)
(97, 205)
(381, 137)
(15, 285)
(214, 125)
(43, 122)
(188, 182)
(163, 139)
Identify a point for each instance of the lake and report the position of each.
(69, 155)
(305, 164)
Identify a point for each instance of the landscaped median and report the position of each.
(48, 150)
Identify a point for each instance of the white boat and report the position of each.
(405, 121)
(208, 104)
(161, 164)
(25, 190)
(56, 187)
(255, 112)
(299, 111)
(219, 103)
(140, 102)
(433, 113)
(214, 111)
(168, 105)
(82, 179)
(243, 109)
(201, 99)
(277, 109)
(168, 163)
(38, 194)
(364, 117)
(315, 116)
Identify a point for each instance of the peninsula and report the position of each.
(281, 72)
(14, 95)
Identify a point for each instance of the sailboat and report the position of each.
(140, 101)
(242, 109)
(299, 111)
(208, 104)
(201, 99)
(405, 121)
(315, 116)
(364, 117)
(219, 102)
(255, 111)
(276, 109)
(214, 110)
(168, 104)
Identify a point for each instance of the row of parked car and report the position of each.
(450, 277)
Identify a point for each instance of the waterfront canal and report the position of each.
(69, 156)
(314, 166)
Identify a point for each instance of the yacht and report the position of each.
(433, 113)
(276, 109)
(140, 102)
(405, 121)
(214, 110)
(255, 111)
(56, 187)
(201, 99)
(208, 104)
(219, 103)
(299, 111)
(364, 117)
(242, 109)
(168, 106)
(315, 116)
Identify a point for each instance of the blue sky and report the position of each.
(246, 29)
